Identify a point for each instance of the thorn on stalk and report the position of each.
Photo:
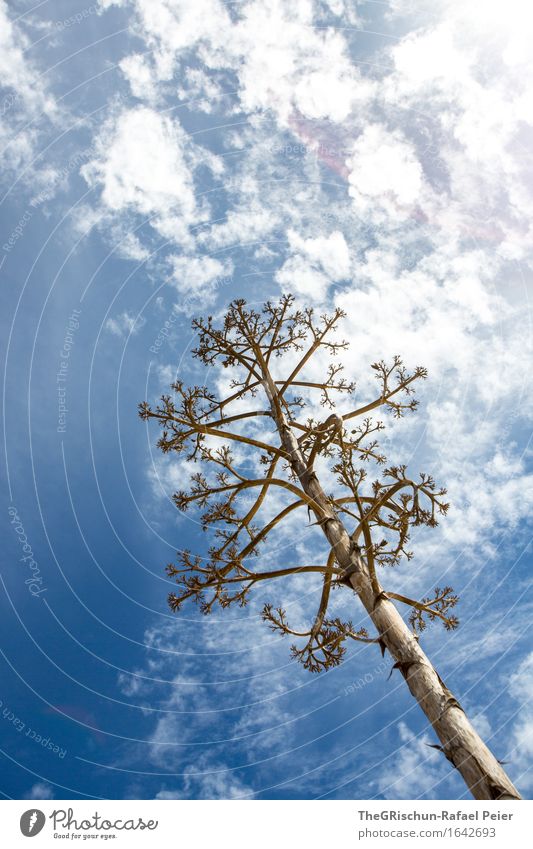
(451, 701)
(323, 521)
(446, 754)
(404, 667)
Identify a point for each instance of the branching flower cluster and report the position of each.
(266, 396)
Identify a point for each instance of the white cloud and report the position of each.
(180, 24)
(444, 315)
(24, 97)
(197, 279)
(521, 689)
(386, 177)
(252, 223)
(415, 769)
(290, 67)
(40, 790)
(482, 725)
(298, 276)
(130, 247)
(125, 324)
(206, 724)
(219, 783)
(329, 253)
(166, 478)
(282, 62)
(143, 165)
(314, 265)
(465, 70)
(449, 103)
(16, 72)
(430, 61)
(140, 75)
(427, 313)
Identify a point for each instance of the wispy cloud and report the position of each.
(40, 790)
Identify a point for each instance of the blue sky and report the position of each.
(159, 158)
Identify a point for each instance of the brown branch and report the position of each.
(307, 356)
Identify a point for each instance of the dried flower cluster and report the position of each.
(208, 428)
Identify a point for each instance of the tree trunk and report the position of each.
(460, 743)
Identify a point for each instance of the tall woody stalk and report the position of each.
(366, 525)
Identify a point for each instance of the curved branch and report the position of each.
(249, 483)
(418, 605)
